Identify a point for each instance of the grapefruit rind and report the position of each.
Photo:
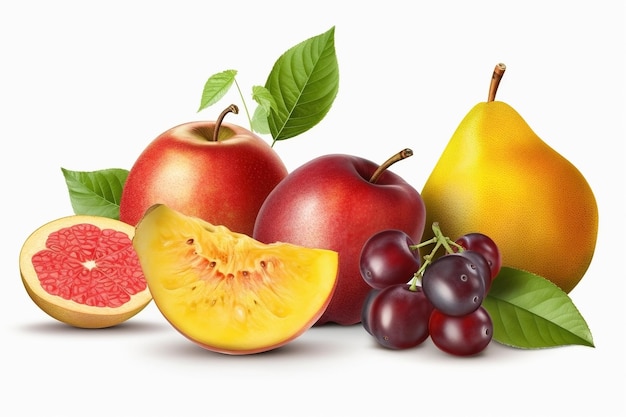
(66, 310)
(226, 291)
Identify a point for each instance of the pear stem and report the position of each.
(404, 153)
(498, 72)
(230, 109)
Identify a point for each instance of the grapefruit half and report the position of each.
(83, 271)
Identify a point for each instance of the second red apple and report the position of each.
(337, 202)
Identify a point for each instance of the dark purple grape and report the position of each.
(484, 245)
(461, 336)
(398, 317)
(366, 308)
(455, 283)
(387, 259)
(482, 264)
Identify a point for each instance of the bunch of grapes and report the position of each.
(442, 297)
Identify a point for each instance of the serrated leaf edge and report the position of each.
(552, 288)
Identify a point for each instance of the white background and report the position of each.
(87, 85)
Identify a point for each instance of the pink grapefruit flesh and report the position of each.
(83, 271)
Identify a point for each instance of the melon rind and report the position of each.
(68, 311)
(256, 298)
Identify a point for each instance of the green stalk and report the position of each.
(439, 240)
(245, 106)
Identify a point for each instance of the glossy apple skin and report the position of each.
(223, 182)
(329, 203)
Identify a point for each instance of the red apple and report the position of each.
(337, 202)
(216, 171)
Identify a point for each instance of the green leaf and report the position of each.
(96, 193)
(266, 104)
(304, 82)
(259, 121)
(216, 87)
(264, 98)
(529, 311)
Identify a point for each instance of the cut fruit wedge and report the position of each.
(226, 291)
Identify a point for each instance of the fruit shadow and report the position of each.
(428, 351)
(304, 346)
(60, 329)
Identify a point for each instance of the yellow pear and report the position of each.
(497, 177)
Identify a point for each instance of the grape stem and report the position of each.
(439, 240)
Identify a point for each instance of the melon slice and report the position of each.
(226, 291)
(83, 270)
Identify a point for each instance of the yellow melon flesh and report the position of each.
(226, 291)
(83, 271)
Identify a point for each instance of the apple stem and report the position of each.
(230, 109)
(498, 72)
(404, 153)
